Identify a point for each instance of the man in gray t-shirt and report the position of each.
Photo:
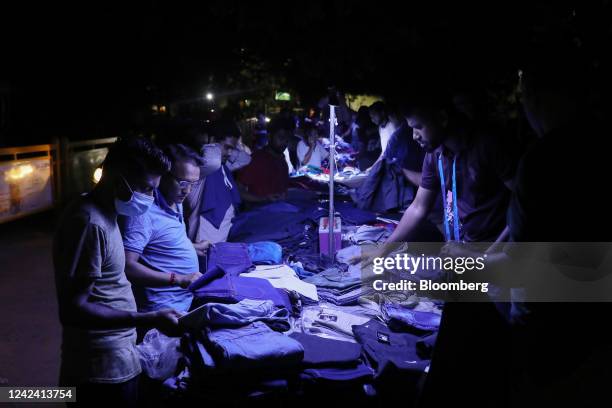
(97, 307)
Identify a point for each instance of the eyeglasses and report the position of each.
(184, 184)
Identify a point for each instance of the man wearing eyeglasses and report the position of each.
(161, 261)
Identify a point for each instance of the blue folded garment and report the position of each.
(240, 314)
(398, 317)
(322, 352)
(252, 346)
(265, 253)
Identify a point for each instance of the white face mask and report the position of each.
(138, 203)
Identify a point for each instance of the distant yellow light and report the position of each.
(154, 108)
(97, 175)
(267, 119)
(162, 109)
(19, 172)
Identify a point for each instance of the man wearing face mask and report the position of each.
(266, 178)
(96, 305)
(161, 261)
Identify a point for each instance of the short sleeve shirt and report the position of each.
(88, 245)
(482, 168)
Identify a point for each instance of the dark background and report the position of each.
(94, 71)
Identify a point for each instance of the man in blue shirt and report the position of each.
(161, 261)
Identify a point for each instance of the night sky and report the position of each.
(86, 72)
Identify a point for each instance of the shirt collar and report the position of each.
(161, 202)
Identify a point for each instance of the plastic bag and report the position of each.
(159, 354)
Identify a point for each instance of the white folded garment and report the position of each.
(283, 277)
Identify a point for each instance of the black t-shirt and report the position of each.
(483, 166)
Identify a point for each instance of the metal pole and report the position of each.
(332, 171)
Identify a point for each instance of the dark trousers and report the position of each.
(110, 395)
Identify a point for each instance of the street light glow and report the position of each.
(209, 96)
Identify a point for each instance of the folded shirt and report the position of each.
(336, 278)
(283, 277)
(390, 354)
(252, 346)
(330, 321)
(321, 352)
(236, 315)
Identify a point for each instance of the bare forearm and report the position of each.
(414, 177)
(410, 220)
(139, 274)
(95, 316)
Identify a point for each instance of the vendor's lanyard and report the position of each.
(444, 203)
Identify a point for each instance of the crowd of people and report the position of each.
(126, 252)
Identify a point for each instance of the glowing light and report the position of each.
(267, 119)
(212, 111)
(209, 96)
(19, 172)
(97, 175)
(162, 109)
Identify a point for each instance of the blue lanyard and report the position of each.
(444, 202)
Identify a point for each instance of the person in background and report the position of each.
(365, 139)
(161, 261)
(380, 116)
(260, 131)
(96, 304)
(406, 153)
(266, 178)
(218, 198)
(309, 150)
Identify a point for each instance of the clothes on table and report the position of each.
(231, 256)
(360, 373)
(236, 315)
(426, 345)
(252, 346)
(391, 354)
(398, 317)
(330, 322)
(346, 254)
(345, 298)
(219, 285)
(265, 253)
(321, 352)
(368, 234)
(283, 277)
(337, 277)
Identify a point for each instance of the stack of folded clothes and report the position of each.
(327, 360)
(340, 285)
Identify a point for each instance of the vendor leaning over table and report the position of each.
(474, 171)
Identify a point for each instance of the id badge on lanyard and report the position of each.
(447, 233)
